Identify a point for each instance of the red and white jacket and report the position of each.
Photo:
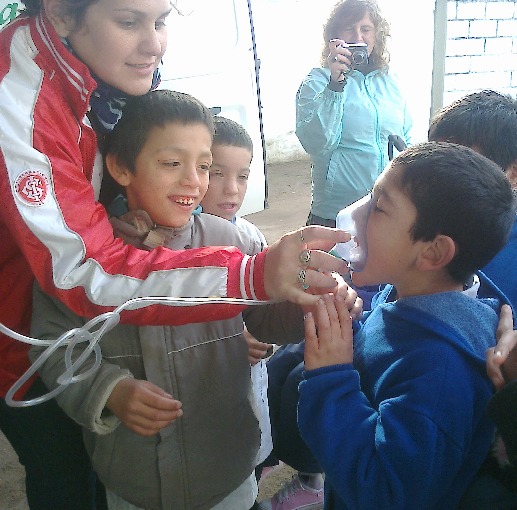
(52, 228)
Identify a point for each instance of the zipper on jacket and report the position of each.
(377, 128)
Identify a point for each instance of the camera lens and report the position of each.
(359, 57)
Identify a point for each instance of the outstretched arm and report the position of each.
(319, 113)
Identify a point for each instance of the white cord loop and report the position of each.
(87, 333)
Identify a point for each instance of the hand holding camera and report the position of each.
(344, 57)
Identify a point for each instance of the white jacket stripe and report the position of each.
(252, 288)
(244, 263)
(73, 76)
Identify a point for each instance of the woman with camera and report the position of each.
(347, 109)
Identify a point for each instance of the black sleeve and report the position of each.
(502, 410)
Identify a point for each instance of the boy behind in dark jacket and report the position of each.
(397, 417)
(486, 121)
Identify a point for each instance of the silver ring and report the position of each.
(334, 59)
(301, 277)
(301, 237)
(305, 257)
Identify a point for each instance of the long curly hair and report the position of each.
(348, 12)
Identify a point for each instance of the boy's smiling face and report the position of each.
(392, 252)
(171, 173)
(228, 180)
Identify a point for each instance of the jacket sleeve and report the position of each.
(398, 448)
(319, 113)
(502, 410)
(278, 323)
(84, 401)
(49, 208)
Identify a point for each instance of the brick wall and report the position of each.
(481, 49)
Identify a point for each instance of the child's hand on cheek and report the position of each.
(332, 344)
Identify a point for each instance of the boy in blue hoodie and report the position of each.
(395, 415)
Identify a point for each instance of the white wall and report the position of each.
(210, 56)
(481, 47)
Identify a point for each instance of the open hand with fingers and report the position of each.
(143, 407)
(299, 260)
(328, 334)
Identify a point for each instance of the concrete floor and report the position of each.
(289, 186)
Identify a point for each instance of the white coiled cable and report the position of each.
(87, 333)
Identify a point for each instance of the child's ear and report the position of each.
(62, 23)
(511, 174)
(120, 173)
(436, 254)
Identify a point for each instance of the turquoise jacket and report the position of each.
(346, 134)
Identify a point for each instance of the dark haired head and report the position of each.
(460, 194)
(485, 121)
(143, 113)
(229, 132)
(347, 13)
(75, 9)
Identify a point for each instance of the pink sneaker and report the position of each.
(295, 495)
(269, 471)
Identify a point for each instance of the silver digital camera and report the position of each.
(359, 53)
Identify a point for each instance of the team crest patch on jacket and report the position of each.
(31, 187)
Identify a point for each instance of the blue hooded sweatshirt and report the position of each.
(405, 426)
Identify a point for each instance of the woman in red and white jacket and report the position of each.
(66, 66)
